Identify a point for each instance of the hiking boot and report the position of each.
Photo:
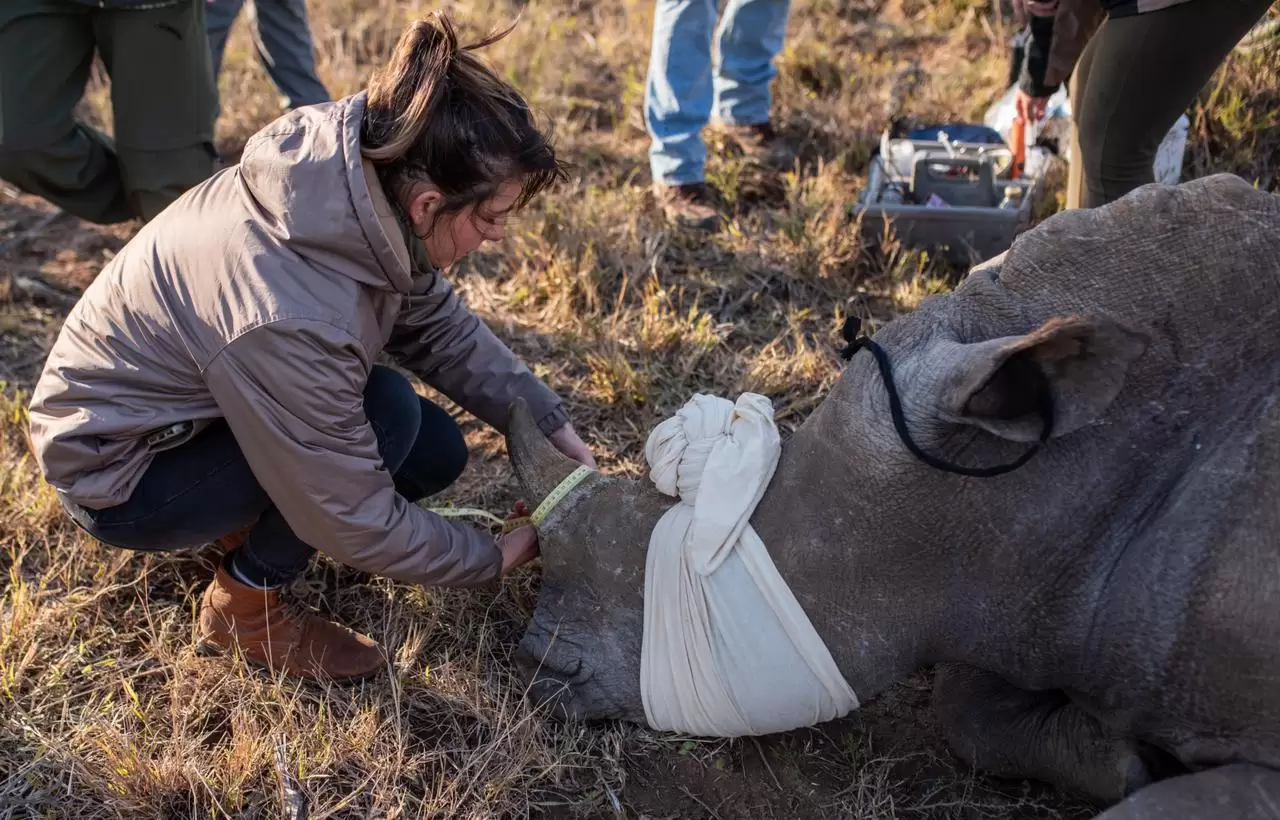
(690, 206)
(281, 636)
(761, 144)
(235, 540)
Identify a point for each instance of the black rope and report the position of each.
(855, 341)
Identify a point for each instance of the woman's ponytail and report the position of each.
(403, 92)
(437, 112)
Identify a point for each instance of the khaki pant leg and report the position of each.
(1075, 168)
(163, 98)
(46, 50)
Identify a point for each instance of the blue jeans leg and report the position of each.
(678, 90)
(750, 36)
(218, 18)
(282, 34)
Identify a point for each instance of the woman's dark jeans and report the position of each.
(204, 489)
(1136, 77)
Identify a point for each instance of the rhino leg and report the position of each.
(1240, 791)
(1009, 732)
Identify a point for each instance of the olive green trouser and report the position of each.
(1135, 78)
(162, 99)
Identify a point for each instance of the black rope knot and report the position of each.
(851, 331)
(855, 341)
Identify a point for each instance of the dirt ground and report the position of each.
(107, 711)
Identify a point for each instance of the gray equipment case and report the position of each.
(969, 177)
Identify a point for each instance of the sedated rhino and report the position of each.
(1106, 617)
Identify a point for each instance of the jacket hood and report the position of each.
(304, 179)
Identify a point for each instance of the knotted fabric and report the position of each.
(727, 650)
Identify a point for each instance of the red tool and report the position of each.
(1019, 139)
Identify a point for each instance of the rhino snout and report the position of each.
(582, 668)
(548, 671)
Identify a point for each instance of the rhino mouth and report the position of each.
(552, 668)
(557, 679)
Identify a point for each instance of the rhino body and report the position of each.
(1106, 617)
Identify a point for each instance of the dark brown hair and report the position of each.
(436, 112)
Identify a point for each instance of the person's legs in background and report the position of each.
(163, 99)
(684, 87)
(750, 36)
(220, 15)
(46, 51)
(1076, 193)
(677, 106)
(1145, 72)
(282, 35)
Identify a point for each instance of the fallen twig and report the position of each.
(694, 798)
(293, 801)
(35, 287)
(765, 760)
(44, 222)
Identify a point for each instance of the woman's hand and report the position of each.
(1030, 109)
(520, 546)
(567, 441)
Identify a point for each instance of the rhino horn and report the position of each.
(539, 466)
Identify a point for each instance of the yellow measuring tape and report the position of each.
(540, 514)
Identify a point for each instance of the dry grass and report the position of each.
(107, 711)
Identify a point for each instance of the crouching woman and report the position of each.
(219, 376)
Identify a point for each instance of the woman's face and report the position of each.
(455, 235)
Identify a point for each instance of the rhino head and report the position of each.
(1109, 599)
(854, 522)
(581, 651)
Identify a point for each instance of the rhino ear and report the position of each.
(1000, 385)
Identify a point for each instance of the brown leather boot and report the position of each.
(694, 206)
(761, 144)
(235, 540)
(280, 637)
